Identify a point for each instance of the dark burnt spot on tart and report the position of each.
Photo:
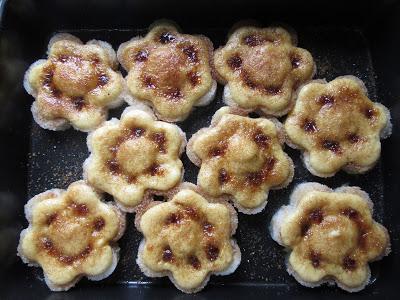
(51, 219)
(148, 82)
(310, 126)
(212, 252)
(305, 227)
(295, 61)
(173, 93)
(316, 216)
(156, 170)
(353, 138)
(80, 209)
(160, 141)
(142, 55)
(315, 258)
(332, 146)
(99, 224)
(208, 229)
(166, 37)
(167, 254)
(194, 261)
(113, 167)
(194, 78)
(363, 229)
(261, 139)
(234, 62)
(350, 213)
(191, 212)
(253, 40)
(173, 218)
(273, 90)
(137, 132)
(64, 58)
(223, 176)
(79, 103)
(326, 100)
(255, 179)
(218, 151)
(349, 263)
(369, 112)
(47, 243)
(102, 80)
(191, 53)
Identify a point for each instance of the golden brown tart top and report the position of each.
(189, 238)
(135, 156)
(240, 157)
(337, 126)
(262, 67)
(169, 70)
(331, 234)
(71, 234)
(75, 85)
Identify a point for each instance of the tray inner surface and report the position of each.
(55, 160)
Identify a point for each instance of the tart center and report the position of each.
(135, 155)
(241, 149)
(334, 237)
(267, 65)
(164, 67)
(74, 76)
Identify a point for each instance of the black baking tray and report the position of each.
(361, 38)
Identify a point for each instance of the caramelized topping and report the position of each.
(142, 55)
(331, 146)
(102, 80)
(257, 178)
(166, 38)
(315, 258)
(194, 78)
(326, 100)
(353, 138)
(208, 229)
(50, 219)
(273, 90)
(218, 151)
(99, 224)
(223, 176)
(79, 103)
(310, 126)
(155, 169)
(351, 213)
(191, 53)
(113, 166)
(194, 262)
(173, 93)
(167, 255)
(80, 209)
(137, 132)
(253, 40)
(295, 61)
(65, 259)
(159, 139)
(148, 82)
(173, 219)
(349, 264)
(316, 216)
(261, 139)
(369, 113)
(212, 252)
(235, 62)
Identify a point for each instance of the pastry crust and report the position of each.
(75, 85)
(241, 158)
(337, 126)
(188, 238)
(72, 233)
(168, 70)
(261, 68)
(135, 157)
(331, 235)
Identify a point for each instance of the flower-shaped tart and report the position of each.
(169, 71)
(331, 234)
(337, 126)
(188, 238)
(241, 158)
(262, 68)
(75, 85)
(135, 157)
(71, 233)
